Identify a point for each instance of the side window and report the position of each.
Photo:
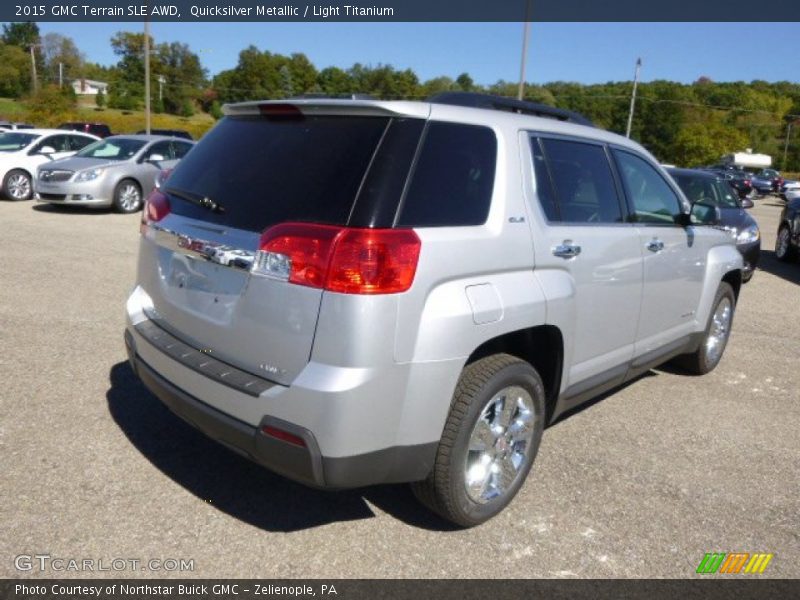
(162, 148)
(652, 198)
(584, 184)
(78, 142)
(544, 185)
(59, 143)
(180, 149)
(453, 179)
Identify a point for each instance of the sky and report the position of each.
(580, 52)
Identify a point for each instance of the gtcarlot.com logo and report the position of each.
(47, 562)
(734, 562)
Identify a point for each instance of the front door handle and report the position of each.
(655, 245)
(567, 250)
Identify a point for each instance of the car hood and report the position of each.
(80, 163)
(737, 218)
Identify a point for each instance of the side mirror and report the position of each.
(705, 214)
(47, 150)
(747, 203)
(154, 158)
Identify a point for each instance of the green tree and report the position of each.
(61, 50)
(15, 75)
(100, 99)
(50, 105)
(703, 143)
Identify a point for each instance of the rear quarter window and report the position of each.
(452, 181)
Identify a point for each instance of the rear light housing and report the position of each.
(156, 207)
(340, 259)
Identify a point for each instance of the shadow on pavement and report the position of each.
(790, 271)
(68, 210)
(237, 486)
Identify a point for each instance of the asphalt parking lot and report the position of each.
(641, 483)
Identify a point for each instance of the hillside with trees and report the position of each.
(685, 124)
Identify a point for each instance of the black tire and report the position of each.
(699, 362)
(445, 490)
(784, 251)
(10, 180)
(121, 201)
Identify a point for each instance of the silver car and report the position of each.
(354, 292)
(118, 172)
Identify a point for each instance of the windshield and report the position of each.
(708, 191)
(113, 149)
(11, 141)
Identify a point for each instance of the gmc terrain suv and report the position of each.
(355, 292)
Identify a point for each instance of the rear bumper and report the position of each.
(305, 464)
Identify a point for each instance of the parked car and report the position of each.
(99, 129)
(787, 243)
(767, 181)
(714, 189)
(790, 189)
(740, 180)
(179, 133)
(117, 172)
(8, 125)
(22, 151)
(420, 287)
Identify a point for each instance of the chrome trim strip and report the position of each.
(193, 247)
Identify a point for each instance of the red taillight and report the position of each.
(344, 260)
(156, 207)
(284, 436)
(298, 252)
(373, 261)
(280, 111)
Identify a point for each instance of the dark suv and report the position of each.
(99, 129)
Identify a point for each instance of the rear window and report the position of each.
(453, 179)
(266, 171)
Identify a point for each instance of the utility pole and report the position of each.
(60, 74)
(33, 69)
(786, 145)
(161, 81)
(633, 97)
(147, 74)
(523, 61)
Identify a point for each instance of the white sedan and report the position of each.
(21, 151)
(791, 190)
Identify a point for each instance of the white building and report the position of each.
(89, 87)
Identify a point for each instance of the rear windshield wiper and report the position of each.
(197, 199)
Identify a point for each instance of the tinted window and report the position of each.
(180, 149)
(653, 201)
(707, 190)
(162, 148)
(265, 171)
(59, 143)
(77, 142)
(12, 141)
(584, 184)
(453, 179)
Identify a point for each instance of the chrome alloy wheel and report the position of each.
(19, 186)
(129, 197)
(500, 444)
(720, 329)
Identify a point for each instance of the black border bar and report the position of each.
(400, 10)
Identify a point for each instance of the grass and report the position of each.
(120, 121)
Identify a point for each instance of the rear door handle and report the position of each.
(655, 245)
(567, 250)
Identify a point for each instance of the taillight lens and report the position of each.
(155, 208)
(374, 261)
(337, 259)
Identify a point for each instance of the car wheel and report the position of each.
(746, 277)
(715, 337)
(783, 245)
(17, 185)
(127, 196)
(489, 443)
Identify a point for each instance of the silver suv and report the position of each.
(355, 292)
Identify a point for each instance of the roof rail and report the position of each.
(324, 96)
(488, 101)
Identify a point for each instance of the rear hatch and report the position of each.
(249, 174)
